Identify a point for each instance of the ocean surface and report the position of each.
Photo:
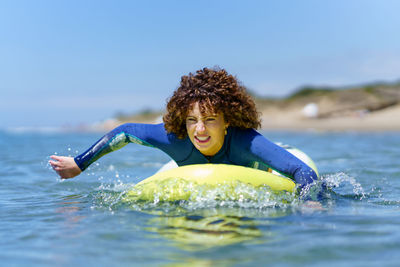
(87, 221)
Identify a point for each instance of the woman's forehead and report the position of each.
(203, 107)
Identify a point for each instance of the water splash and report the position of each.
(194, 196)
(344, 185)
(109, 196)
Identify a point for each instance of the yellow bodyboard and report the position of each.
(204, 174)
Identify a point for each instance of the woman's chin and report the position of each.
(204, 149)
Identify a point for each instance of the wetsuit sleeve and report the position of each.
(153, 135)
(257, 148)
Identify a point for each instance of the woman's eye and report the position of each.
(210, 119)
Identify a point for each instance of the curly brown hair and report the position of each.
(216, 91)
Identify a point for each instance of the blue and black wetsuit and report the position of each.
(241, 147)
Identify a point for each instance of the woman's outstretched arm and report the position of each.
(153, 135)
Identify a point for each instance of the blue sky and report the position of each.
(71, 62)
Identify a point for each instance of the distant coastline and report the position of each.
(372, 107)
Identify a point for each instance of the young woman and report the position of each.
(210, 119)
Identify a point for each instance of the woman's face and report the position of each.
(206, 131)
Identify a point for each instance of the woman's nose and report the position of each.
(200, 127)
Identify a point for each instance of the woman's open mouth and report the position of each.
(202, 139)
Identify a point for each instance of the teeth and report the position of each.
(202, 138)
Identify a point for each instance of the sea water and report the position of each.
(86, 221)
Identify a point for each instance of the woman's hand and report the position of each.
(65, 166)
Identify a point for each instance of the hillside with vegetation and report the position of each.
(340, 102)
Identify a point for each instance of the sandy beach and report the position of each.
(382, 120)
